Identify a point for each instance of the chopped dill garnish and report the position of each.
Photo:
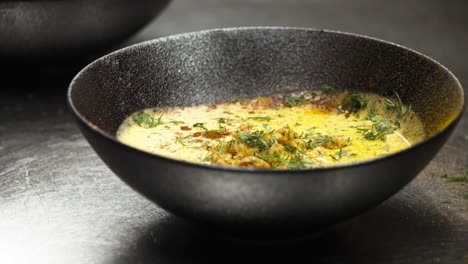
(328, 89)
(343, 153)
(180, 140)
(380, 128)
(255, 139)
(289, 148)
(223, 120)
(457, 178)
(260, 118)
(291, 101)
(273, 159)
(398, 106)
(147, 121)
(176, 122)
(298, 161)
(354, 102)
(237, 99)
(200, 125)
(318, 141)
(208, 156)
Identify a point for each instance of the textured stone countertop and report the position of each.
(60, 204)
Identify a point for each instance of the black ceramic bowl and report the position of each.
(221, 64)
(53, 29)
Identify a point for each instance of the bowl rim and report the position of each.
(248, 170)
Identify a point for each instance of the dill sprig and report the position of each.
(289, 148)
(176, 122)
(380, 128)
(299, 161)
(398, 106)
(237, 99)
(223, 120)
(354, 102)
(273, 158)
(291, 101)
(342, 153)
(180, 140)
(256, 139)
(200, 125)
(328, 89)
(145, 120)
(320, 140)
(457, 178)
(260, 118)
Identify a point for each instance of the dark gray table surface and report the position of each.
(60, 204)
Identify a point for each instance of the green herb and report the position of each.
(274, 159)
(180, 140)
(208, 156)
(260, 118)
(255, 139)
(146, 121)
(298, 161)
(318, 141)
(301, 135)
(465, 197)
(401, 110)
(377, 131)
(200, 125)
(380, 128)
(237, 99)
(289, 148)
(206, 144)
(176, 122)
(188, 136)
(344, 153)
(291, 101)
(329, 89)
(341, 153)
(222, 120)
(354, 102)
(457, 178)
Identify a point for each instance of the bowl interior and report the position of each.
(219, 65)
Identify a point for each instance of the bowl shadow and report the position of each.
(404, 229)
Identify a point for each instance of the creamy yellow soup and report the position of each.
(301, 130)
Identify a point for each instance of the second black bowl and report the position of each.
(44, 30)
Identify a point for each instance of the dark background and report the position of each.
(60, 204)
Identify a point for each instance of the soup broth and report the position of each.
(305, 129)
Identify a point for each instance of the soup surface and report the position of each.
(301, 130)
